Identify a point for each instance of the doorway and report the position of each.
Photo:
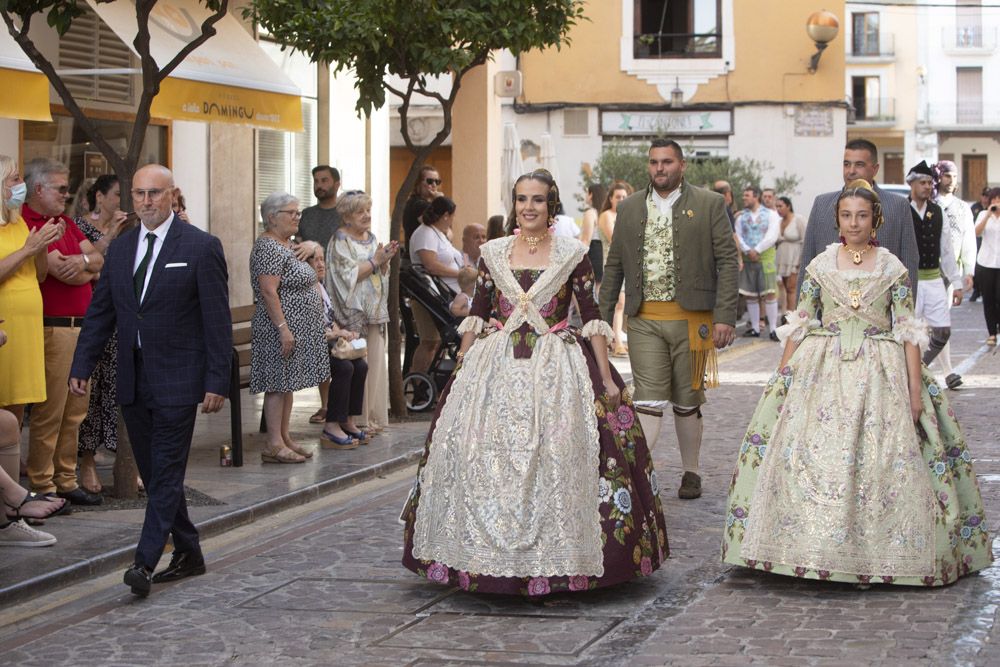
(974, 176)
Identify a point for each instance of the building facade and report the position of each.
(722, 78)
(227, 152)
(915, 79)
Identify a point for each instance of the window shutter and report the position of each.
(91, 44)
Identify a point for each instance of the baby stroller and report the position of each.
(422, 389)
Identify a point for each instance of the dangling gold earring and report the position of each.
(873, 234)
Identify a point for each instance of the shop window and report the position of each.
(285, 159)
(90, 44)
(672, 29)
(64, 140)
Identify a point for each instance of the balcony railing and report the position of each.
(677, 45)
(873, 110)
(962, 114)
(968, 38)
(882, 45)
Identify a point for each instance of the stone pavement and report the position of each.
(321, 584)
(94, 542)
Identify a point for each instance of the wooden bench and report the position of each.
(239, 375)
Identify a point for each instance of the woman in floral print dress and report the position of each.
(854, 467)
(536, 477)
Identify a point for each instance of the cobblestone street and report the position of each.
(321, 584)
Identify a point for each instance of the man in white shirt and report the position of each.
(937, 259)
(959, 225)
(757, 230)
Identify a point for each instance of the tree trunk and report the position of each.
(125, 472)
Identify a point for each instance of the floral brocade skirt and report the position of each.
(841, 500)
(632, 531)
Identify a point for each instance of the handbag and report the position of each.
(349, 349)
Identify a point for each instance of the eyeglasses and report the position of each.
(292, 212)
(354, 192)
(433, 181)
(62, 189)
(152, 193)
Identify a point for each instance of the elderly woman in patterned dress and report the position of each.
(289, 349)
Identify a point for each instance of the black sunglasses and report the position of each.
(353, 192)
(433, 181)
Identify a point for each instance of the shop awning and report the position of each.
(228, 79)
(27, 89)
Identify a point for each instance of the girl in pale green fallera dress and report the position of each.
(854, 467)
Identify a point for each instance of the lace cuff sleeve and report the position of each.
(798, 325)
(910, 330)
(597, 327)
(471, 323)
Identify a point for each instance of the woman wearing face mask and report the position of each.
(23, 264)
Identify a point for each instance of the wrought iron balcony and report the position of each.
(677, 45)
(968, 38)
(881, 45)
(872, 110)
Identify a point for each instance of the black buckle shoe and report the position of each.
(750, 333)
(140, 579)
(184, 564)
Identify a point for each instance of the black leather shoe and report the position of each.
(186, 564)
(774, 336)
(954, 381)
(80, 497)
(750, 333)
(140, 579)
(690, 486)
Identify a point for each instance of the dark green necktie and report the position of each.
(139, 279)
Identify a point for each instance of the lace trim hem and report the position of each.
(597, 328)
(472, 323)
(911, 330)
(798, 325)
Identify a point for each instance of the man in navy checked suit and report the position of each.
(164, 289)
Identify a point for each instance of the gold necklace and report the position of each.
(857, 255)
(532, 242)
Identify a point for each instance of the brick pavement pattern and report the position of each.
(327, 588)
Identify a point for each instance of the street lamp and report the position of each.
(677, 95)
(822, 27)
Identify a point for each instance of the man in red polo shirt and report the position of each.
(73, 265)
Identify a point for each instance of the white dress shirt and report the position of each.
(160, 233)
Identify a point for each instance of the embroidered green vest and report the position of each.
(660, 279)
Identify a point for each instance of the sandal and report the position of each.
(30, 497)
(328, 440)
(359, 435)
(319, 417)
(298, 450)
(283, 455)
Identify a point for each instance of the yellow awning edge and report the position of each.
(26, 95)
(181, 99)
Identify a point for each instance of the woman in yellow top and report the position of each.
(23, 264)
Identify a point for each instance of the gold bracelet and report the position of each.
(283, 324)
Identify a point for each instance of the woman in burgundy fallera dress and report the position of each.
(536, 477)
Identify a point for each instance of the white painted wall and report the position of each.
(189, 159)
(767, 133)
(959, 146)
(572, 152)
(347, 149)
(9, 134)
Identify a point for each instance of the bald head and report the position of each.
(153, 194)
(473, 236)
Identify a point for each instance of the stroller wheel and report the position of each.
(419, 391)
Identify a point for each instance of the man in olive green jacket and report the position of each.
(673, 254)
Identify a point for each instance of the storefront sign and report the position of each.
(651, 123)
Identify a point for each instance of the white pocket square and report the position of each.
(175, 265)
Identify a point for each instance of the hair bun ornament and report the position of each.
(860, 184)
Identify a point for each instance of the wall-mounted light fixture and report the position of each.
(822, 27)
(677, 95)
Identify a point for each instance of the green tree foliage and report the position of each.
(627, 161)
(412, 40)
